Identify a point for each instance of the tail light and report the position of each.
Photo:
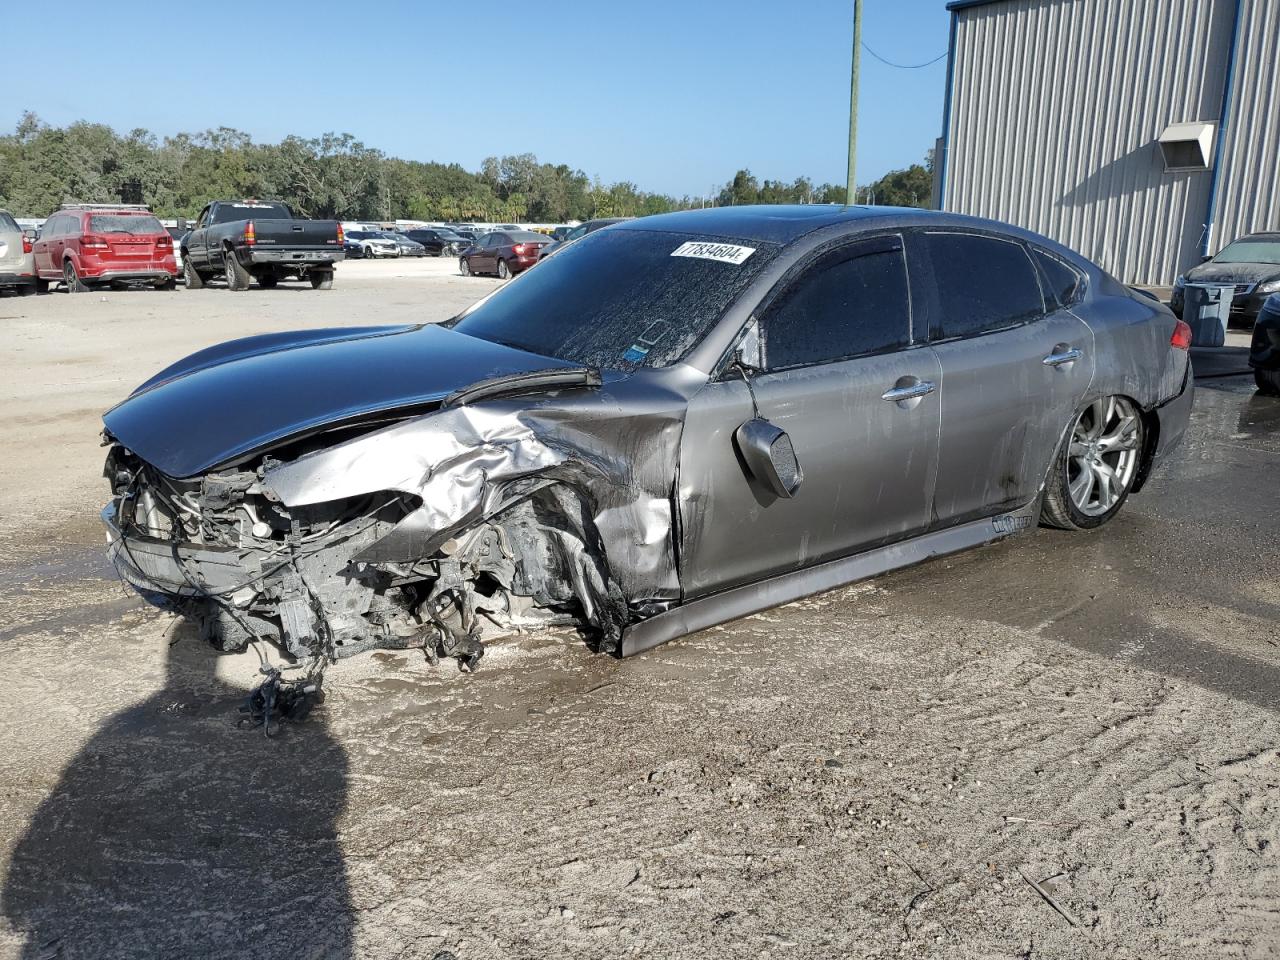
(342, 236)
(26, 244)
(518, 249)
(250, 234)
(164, 242)
(1181, 339)
(89, 242)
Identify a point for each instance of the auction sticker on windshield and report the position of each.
(724, 252)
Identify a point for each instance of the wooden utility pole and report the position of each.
(850, 195)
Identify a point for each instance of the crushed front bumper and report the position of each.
(152, 566)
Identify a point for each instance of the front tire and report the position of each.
(238, 278)
(194, 278)
(464, 267)
(1094, 470)
(1268, 382)
(71, 280)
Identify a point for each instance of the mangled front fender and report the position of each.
(468, 463)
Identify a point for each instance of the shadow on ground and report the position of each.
(174, 833)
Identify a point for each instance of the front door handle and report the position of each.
(910, 391)
(1061, 354)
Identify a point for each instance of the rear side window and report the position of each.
(1062, 283)
(851, 302)
(983, 284)
(112, 223)
(8, 223)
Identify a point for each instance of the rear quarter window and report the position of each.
(983, 283)
(1063, 283)
(8, 223)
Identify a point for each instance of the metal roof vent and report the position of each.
(1187, 146)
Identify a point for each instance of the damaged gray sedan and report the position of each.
(673, 422)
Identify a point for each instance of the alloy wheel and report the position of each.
(1102, 457)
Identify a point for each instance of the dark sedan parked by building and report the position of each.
(1252, 263)
(669, 424)
(503, 252)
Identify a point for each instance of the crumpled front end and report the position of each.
(439, 532)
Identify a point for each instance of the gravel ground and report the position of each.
(1062, 746)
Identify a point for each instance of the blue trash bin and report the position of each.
(1207, 308)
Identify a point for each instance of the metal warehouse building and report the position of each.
(1142, 133)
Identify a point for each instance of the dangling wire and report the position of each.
(904, 66)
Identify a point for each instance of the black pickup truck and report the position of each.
(259, 240)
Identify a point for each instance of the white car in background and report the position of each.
(374, 245)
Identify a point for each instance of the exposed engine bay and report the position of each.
(328, 579)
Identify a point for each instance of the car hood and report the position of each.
(1232, 272)
(224, 403)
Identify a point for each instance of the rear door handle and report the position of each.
(908, 392)
(1060, 356)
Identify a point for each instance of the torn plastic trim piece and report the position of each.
(515, 383)
(797, 584)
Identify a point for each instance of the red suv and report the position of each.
(86, 243)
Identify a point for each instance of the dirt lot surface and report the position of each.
(1063, 746)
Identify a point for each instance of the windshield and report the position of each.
(620, 299)
(231, 212)
(123, 223)
(1250, 251)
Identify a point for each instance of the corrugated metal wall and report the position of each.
(1056, 106)
(1249, 187)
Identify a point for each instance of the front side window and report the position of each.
(983, 284)
(852, 302)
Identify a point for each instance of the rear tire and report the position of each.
(42, 286)
(238, 278)
(1268, 382)
(321, 279)
(504, 272)
(268, 281)
(26, 290)
(1094, 469)
(71, 280)
(195, 279)
(170, 284)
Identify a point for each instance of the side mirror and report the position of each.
(1206, 258)
(769, 455)
(182, 224)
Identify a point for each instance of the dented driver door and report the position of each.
(841, 374)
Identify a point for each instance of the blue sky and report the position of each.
(674, 96)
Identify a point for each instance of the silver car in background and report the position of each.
(17, 263)
(673, 422)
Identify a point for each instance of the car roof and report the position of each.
(775, 223)
(1260, 235)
